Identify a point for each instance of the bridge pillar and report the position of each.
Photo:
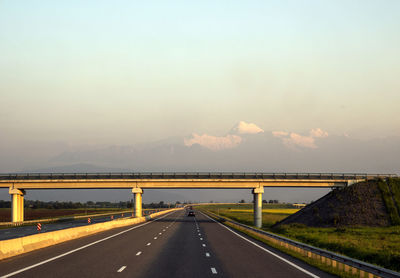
(257, 197)
(137, 192)
(17, 207)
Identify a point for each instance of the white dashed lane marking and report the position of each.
(207, 254)
(155, 237)
(121, 269)
(204, 245)
(213, 270)
(148, 244)
(138, 253)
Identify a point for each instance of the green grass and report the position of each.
(388, 200)
(243, 213)
(376, 245)
(395, 187)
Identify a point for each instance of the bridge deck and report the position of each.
(180, 180)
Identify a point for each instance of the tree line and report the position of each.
(89, 204)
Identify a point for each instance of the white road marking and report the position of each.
(148, 244)
(121, 269)
(266, 250)
(138, 253)
(160, 233)
(80, 248)
(201, 238)
(207, 254)
(199, 234)
(164, 230)
(155, 237)
(204, 245)
(213, 270)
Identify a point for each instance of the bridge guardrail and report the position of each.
(192, 175)
(335, 260)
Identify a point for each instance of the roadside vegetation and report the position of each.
(391, 196)
(376, 245)
(243, 213)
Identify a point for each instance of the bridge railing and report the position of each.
(191, 175)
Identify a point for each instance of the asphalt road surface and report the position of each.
(174, 245)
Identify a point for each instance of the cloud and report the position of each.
(229, 141)
(298, 140)
(293, 140)
(214, 143)
(246, 128)
(280, 133)
(318, 133)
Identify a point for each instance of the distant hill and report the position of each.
(77, 168)
(370, 203)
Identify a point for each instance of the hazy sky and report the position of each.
(78, 76)
(121, 72)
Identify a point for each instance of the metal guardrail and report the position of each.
(78, 217)
(366, 267)
(191, 175)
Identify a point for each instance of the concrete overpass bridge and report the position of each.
(19, 183)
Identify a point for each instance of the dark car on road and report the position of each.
(191, 213)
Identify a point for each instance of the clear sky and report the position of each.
(121, 72)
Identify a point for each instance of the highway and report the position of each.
(20, 231)
(174, 245)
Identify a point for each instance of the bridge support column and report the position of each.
(137, 192)
(257, 197)
(17, 207)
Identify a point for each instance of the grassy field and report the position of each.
(244, 212)
(376, 245)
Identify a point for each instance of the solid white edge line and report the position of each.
(121, 269)
(266, 250)
(80, 248)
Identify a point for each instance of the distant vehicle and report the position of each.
(191, 213)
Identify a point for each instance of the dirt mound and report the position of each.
(369, 203)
